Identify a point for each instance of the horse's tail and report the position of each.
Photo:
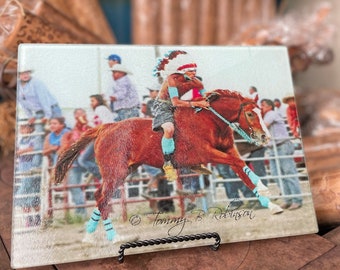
(67, 157)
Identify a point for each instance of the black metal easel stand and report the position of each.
(167, 240)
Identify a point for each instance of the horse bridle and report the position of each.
(252, 133)
(236, 126)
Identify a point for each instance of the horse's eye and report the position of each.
(249, 114)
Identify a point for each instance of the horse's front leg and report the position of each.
(256, 186)
(260, 190)
(249, 178)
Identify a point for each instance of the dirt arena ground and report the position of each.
(61, 242)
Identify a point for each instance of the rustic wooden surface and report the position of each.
(316, 251)
(195, 22)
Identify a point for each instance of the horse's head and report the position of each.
(242, 111)
(251, 121)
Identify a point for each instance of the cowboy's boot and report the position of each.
(169, 170)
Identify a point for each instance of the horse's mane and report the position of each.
(230, 94)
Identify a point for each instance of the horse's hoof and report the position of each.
(274, 208)
(119, 239)
(89, 239)
(110, 235)
(110, 231)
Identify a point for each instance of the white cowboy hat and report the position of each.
(154, 86)
(24, 69)
(287, 96)
(121, 68)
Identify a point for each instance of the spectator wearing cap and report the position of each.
(292, 115)
(125, 98)
(35, 98)
(38, 104)
(112, 59)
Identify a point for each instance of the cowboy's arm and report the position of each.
(177, 102)
(181, 103)
(200, 87)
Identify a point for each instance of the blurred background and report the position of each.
(308, 28)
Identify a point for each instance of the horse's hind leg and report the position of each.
(92, 224)
(101, 211)
(110, 231)
(104, 207)
(103, 196)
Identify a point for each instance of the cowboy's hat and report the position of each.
(121, 68)
(154, 86)
(288, 96)
(22, 69)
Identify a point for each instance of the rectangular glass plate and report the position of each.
(48, 226)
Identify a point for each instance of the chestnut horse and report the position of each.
(200, 137)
